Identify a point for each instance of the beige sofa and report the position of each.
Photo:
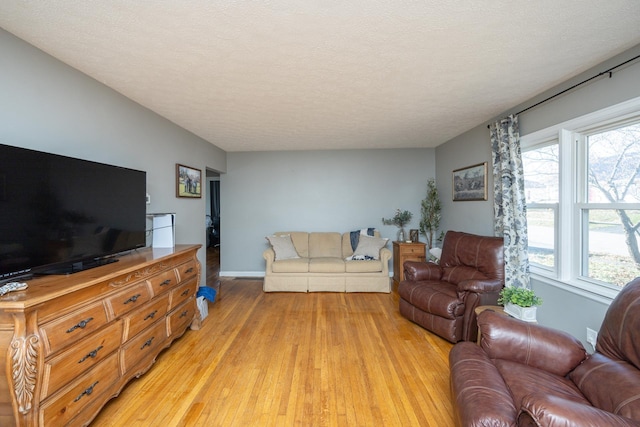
(322, 265)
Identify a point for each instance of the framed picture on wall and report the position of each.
(188, 182)
(470, 183)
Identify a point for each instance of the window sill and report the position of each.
(587, 290)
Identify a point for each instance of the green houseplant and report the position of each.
(520, 302)
(431, 214)
(400, 219)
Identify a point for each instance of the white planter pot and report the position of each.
(528, 314)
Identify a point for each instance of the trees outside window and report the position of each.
(583, 201)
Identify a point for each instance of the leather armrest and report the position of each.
(416, 271)
(480, 395)
(504, 337)
(547, 410)
(480, 286)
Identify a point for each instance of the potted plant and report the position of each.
(431, 215)
(400, 219)
(520, 303)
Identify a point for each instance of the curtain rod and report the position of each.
(609, 71)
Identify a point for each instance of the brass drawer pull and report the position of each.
(91, 354)
(132, 299)
(185, 292)
(166, 282)
(189, 270)
(88, 391)
(151, 315)
(184, 313)
(80, 325)
(147, 343)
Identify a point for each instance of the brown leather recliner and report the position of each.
(442, 297)
(528, 375)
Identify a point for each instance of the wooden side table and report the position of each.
(403, 251)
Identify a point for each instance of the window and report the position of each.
(582, 184)
(608, 221)
(541, 175)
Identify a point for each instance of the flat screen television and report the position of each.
(59, 215)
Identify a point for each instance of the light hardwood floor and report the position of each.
(290, 359)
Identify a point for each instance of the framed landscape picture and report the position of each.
(470, 183)
(188, 182)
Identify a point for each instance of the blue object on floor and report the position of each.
(207, 292)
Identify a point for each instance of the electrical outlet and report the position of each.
(592, 337)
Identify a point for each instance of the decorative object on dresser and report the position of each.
(400, 219)
(403, 251)
(69, 343)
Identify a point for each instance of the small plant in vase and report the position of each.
(519, 302)
(400, 219)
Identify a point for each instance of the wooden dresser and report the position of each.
(406, 251)
(70, 343)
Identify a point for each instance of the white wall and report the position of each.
(46, 105)
(339, 190)
(564, 308)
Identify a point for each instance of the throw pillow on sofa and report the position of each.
(368, 248)
(283, 247)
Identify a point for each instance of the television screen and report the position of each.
(58, 214)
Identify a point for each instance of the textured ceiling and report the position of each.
(327, 74)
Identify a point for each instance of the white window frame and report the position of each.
(567, 274)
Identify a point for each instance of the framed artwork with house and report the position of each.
(470, 183)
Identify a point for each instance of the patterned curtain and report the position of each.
(510, 209)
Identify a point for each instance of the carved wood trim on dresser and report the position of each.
(70, 343)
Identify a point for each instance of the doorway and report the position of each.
(213, 225)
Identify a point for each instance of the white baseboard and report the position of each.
(241, 274)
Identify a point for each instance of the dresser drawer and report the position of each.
(163, 282)
(76, 325)
(70, 364)
(181, 317)
(145, 345)
(145, 316)
(182, 293)
(62, 407)
(411, 250)
(187, 270)
(130, 299)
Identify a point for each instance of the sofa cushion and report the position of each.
(283, 246)
(325, 245)
(368, 248)
(369, 266)
(597, 376)
(294, 265)
(326, 265)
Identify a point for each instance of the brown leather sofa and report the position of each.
(528, 375)
(442, 297)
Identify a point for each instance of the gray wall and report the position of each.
(344, 190)
(565, 307)
(48, 106)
